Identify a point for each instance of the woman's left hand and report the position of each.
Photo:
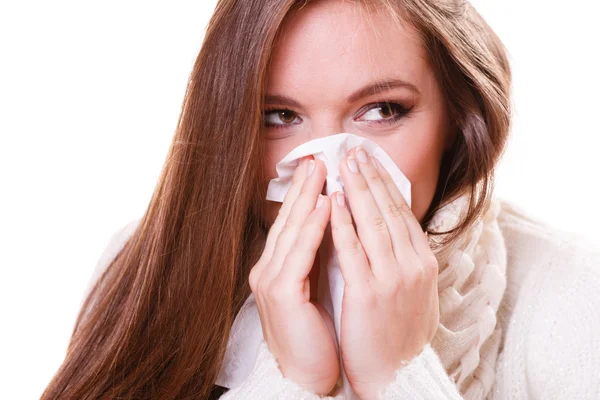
(390, 305)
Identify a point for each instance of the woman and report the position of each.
(488, 304)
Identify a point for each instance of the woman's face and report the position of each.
(321, 83)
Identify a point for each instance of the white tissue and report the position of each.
(246, 332)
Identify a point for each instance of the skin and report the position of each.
(390, 305)
(321, 74)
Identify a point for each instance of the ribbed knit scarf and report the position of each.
(471, 284)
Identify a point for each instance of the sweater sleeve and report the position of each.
(558, 331)
(551, 348)
(267, 382)
(424, 377)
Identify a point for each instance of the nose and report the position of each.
(326, 126)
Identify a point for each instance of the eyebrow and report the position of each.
(367, 90)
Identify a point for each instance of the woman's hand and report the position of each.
(299, 333)
(390, 305)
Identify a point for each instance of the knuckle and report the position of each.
(419, 276)
(342, 225)
(378, 222)
(393, 210)
(337, 230)
(362, 185)
(416, 275)
(404, 207)
(431, 266)
(353, 246)
(261, 288)
(287, 226)
(431, 262)
(375, 177)
(301, 248)
(386, 178)
(264, 281)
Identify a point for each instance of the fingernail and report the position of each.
(361, 155)
(340, 199)
(374, 162)
(320, 201)
(311, 167)
(352, 164)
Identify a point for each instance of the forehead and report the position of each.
(328, 43)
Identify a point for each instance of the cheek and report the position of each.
(418, 153)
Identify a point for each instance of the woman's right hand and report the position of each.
(298, 332)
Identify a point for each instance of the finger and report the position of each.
(300, 175)
(304, 204)
(419, 240)
(300, 259)
(371, 226)
(392, 215)
(351, 256)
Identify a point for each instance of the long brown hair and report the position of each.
(156, 323)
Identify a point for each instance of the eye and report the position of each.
(278, 118)
(385, 112)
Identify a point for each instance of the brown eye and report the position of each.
(286, 116)
(385, 112)
(280, 118)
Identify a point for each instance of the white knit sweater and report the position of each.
(549, 315)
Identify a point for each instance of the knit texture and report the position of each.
(267, 382)
(547, 328)
(471, 284)
(421, 378)
(550, 314)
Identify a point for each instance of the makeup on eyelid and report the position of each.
(398, 110)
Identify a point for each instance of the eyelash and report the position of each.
(402, 112)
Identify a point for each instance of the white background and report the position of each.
(90, 94)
